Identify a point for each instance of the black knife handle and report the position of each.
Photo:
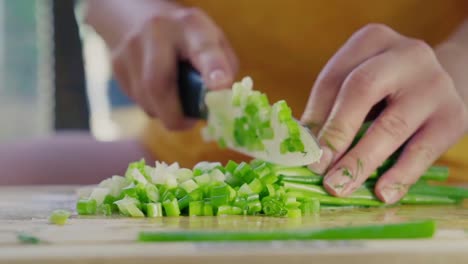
(191, 91)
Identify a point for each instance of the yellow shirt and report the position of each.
(283, 45)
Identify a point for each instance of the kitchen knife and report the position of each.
(197, 102)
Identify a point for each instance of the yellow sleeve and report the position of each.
(456, 158)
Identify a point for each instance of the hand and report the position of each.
(145, 60)
(422, 110)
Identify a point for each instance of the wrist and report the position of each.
(454, 59)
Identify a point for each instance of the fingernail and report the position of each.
(339, 181)
(218, 77)
(391, 194)
(321, 166)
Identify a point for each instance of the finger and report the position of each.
(123, 77)
(126, 64)
(159, 74)
(387, 133)
(364, 44)
(231, 55)
(385, 76)
(202, 44)
(132, 59)
(431, 141)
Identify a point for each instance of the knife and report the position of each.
(193, 96)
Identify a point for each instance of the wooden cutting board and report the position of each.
(98, 240)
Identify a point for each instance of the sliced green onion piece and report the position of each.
(129, 206)
(59, 217)
(189, 185)
(208, 209)
(104, 209)
(99, 194)
(256, 186)
(184, 202)
(229, 210)
(171, 207)
(203, 179)
(196, 208)
(154, 210)
(86, 206)
(310, 207)
(152, 192)
(294, 213)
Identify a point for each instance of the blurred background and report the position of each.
(55, 75)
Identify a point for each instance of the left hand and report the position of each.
(423, 110)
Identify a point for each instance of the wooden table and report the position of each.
(98, 240)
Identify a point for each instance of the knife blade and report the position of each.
(197, 102)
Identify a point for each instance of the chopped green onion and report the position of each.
(171, 207)
(294, 213)
(229, 210)
(189, 185)
(203, 179)
(154, 210)
(86, 206)
(59, 217)
(152, 193)
(273, 207)
(196, 208)
(184, 202)
(256, 186)
(310, 207)
(129, 206)
(105, 209)
(208, 209)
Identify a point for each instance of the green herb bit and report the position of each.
(360, 166)
(26, 238)
(330, 145)
(347, 173)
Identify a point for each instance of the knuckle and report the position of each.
(361, 81)
(205, 46)
(419, 49)
(330, 79)
(152, 26)
(442, 80)
(190, 16)
(133, 42)
(156, 21)
(375, 31)
(393, 125)
(157, 85)
(158, 89)
(423, 152)
(360, 162)
(337, 134)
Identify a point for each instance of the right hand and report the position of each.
(145, 60)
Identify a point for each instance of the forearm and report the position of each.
(453, 55)
(113, 18)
